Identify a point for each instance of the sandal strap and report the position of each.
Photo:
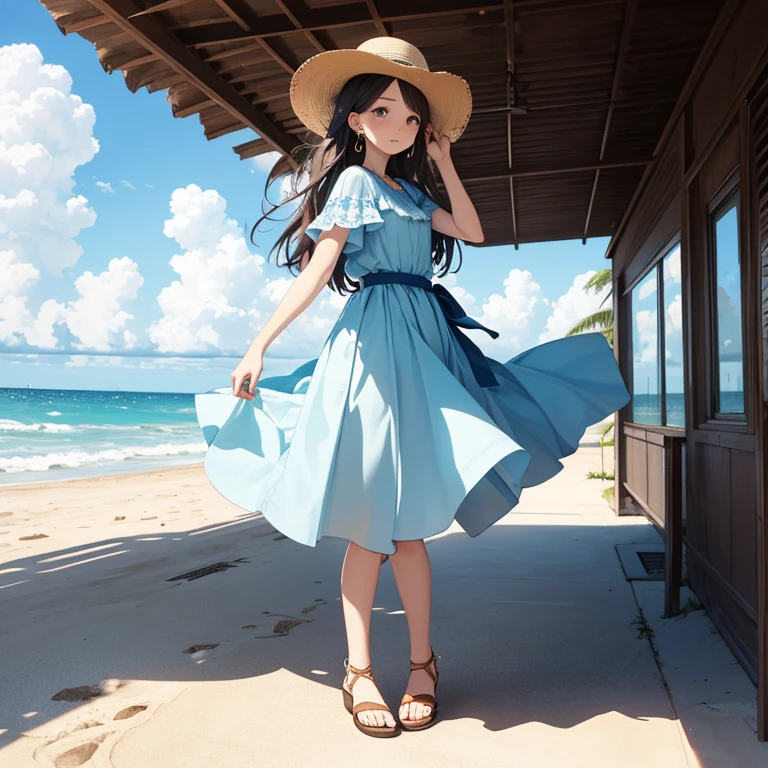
(426, 665)
(419, 698)
(358, 673)
(364, 706)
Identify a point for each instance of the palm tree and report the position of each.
(602, 319)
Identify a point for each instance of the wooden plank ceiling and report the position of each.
(570, 96)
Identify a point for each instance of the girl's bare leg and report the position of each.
(359, 577)
(413, 576)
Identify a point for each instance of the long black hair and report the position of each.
(320, 165)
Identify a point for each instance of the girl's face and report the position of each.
(388, 123)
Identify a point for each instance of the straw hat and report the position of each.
(317, 83)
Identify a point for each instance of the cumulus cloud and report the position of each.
(222, 298)
(46, 133)
(574, 305)
(266, 161)
(105, 186)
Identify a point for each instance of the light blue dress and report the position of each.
(387, 435)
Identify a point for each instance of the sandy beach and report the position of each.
(39, 517)
(148, 622)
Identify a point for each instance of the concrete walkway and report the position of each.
(542, 664)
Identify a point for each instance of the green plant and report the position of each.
(600, 476)
(602, 319)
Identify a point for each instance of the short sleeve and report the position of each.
(352, 204)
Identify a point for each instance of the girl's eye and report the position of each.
(379, 110)
(416, 118)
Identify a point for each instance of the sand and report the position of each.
(39, 517)
(146, 621)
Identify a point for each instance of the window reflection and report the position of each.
(646, 401)
(673, 340)
(730, 392)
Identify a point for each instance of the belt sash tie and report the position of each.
(457, 318)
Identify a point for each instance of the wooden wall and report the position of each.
(704, 152)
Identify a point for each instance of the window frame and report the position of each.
(728, 196)
(655, 263)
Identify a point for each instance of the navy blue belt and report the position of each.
(457, 318)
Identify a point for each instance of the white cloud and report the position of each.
(222, 298)
(266, 161)
(574, 305)
(105, 186)
(46, 132)
(127, 184)
(97, 320)
(17, 277)
(675, 314)
(646, 333)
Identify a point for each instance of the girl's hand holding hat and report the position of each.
(438, 145)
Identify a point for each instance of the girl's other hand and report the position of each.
(438, 145)
(249, 368)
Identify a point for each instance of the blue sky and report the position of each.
(127, 323)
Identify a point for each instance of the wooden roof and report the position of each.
(570, 96)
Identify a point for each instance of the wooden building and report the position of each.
(690, 269)
(645, 120)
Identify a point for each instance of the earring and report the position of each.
(410, 154)
(360, 148)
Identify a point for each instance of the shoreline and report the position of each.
(75, 474)
(116, 476)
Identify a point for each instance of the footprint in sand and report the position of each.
(5, 514)
(202, 647)
(284, 626)
(33, 536)
(79, 755)
(312, 607)
(124, 714)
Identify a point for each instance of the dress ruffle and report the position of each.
(358, 199)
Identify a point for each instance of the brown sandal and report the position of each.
(422, 698)
(381, 731)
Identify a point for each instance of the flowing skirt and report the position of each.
(387, 435)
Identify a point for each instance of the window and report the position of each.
(729, 372)
(658, 392)
(674, 390)
(646, 379)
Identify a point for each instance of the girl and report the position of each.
(401, 425)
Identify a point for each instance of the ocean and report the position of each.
(50, 434)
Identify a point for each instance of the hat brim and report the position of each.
(316, 84)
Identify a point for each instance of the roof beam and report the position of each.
(296, 23)
(708, 50)
(330, 17)
(509, 32)
(621, 57)
(155, 38)
(555, 171)
(376, 16)
(242, 14)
